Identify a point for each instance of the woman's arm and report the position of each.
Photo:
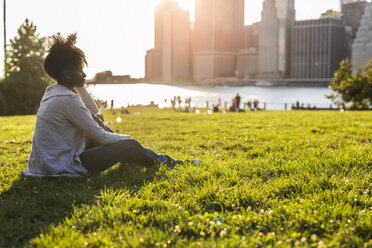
(79, 115)
(87, 100)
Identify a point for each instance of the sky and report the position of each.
(115, 34)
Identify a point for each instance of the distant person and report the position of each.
(233, 107)
(124, 111)
(249, 103)
(237, 101)
(188, 102)
(215, 108)
(255, 104)
(173, 102)
(342, 108)
(234, 103)
(179, 99)
(66, 124)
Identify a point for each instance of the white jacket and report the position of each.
(63, 126)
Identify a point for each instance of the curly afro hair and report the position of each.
(63, 55)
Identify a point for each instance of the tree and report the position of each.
(368, 86)
(355, 88)
(25, 80)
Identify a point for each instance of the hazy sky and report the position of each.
(115, 34)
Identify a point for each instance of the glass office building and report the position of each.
(318, 46)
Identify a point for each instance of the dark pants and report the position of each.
(100, 158)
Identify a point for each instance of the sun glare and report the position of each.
(188, 5)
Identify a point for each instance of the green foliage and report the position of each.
(355, 88)
(25, 80)
(268, 179)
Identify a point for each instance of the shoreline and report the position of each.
(228, 83)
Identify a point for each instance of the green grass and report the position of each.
(278, 179)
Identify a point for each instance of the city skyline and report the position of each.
(124, 44)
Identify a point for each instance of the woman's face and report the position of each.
(76, 77)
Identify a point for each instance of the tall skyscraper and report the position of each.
(352, 11)
(176, 55)
(318, 46)
(160, 11)
(275, 38)
(219, 28)
(362, 46)
(170, 60)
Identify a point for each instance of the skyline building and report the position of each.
(170, 60)
(176, 53)
(251, 36)
(362, 46)
(153, 65)
(218, 36)
(218, 44)
(352, 12)
(275, 38)
(318, 46)
(247, 58)
(247, 63)
(160, 10)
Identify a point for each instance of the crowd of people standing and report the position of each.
(236, 105)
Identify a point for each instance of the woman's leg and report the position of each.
(101, 158)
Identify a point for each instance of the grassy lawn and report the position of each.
(279, 179)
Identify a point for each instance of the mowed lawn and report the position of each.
(279, 179)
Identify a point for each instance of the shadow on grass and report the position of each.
(34, 204)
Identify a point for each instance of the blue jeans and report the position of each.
(100, 158)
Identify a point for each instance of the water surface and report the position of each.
(274, 97)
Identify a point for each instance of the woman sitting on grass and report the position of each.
(66, 123)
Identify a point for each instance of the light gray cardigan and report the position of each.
(63, 127)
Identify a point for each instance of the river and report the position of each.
(274, 97)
